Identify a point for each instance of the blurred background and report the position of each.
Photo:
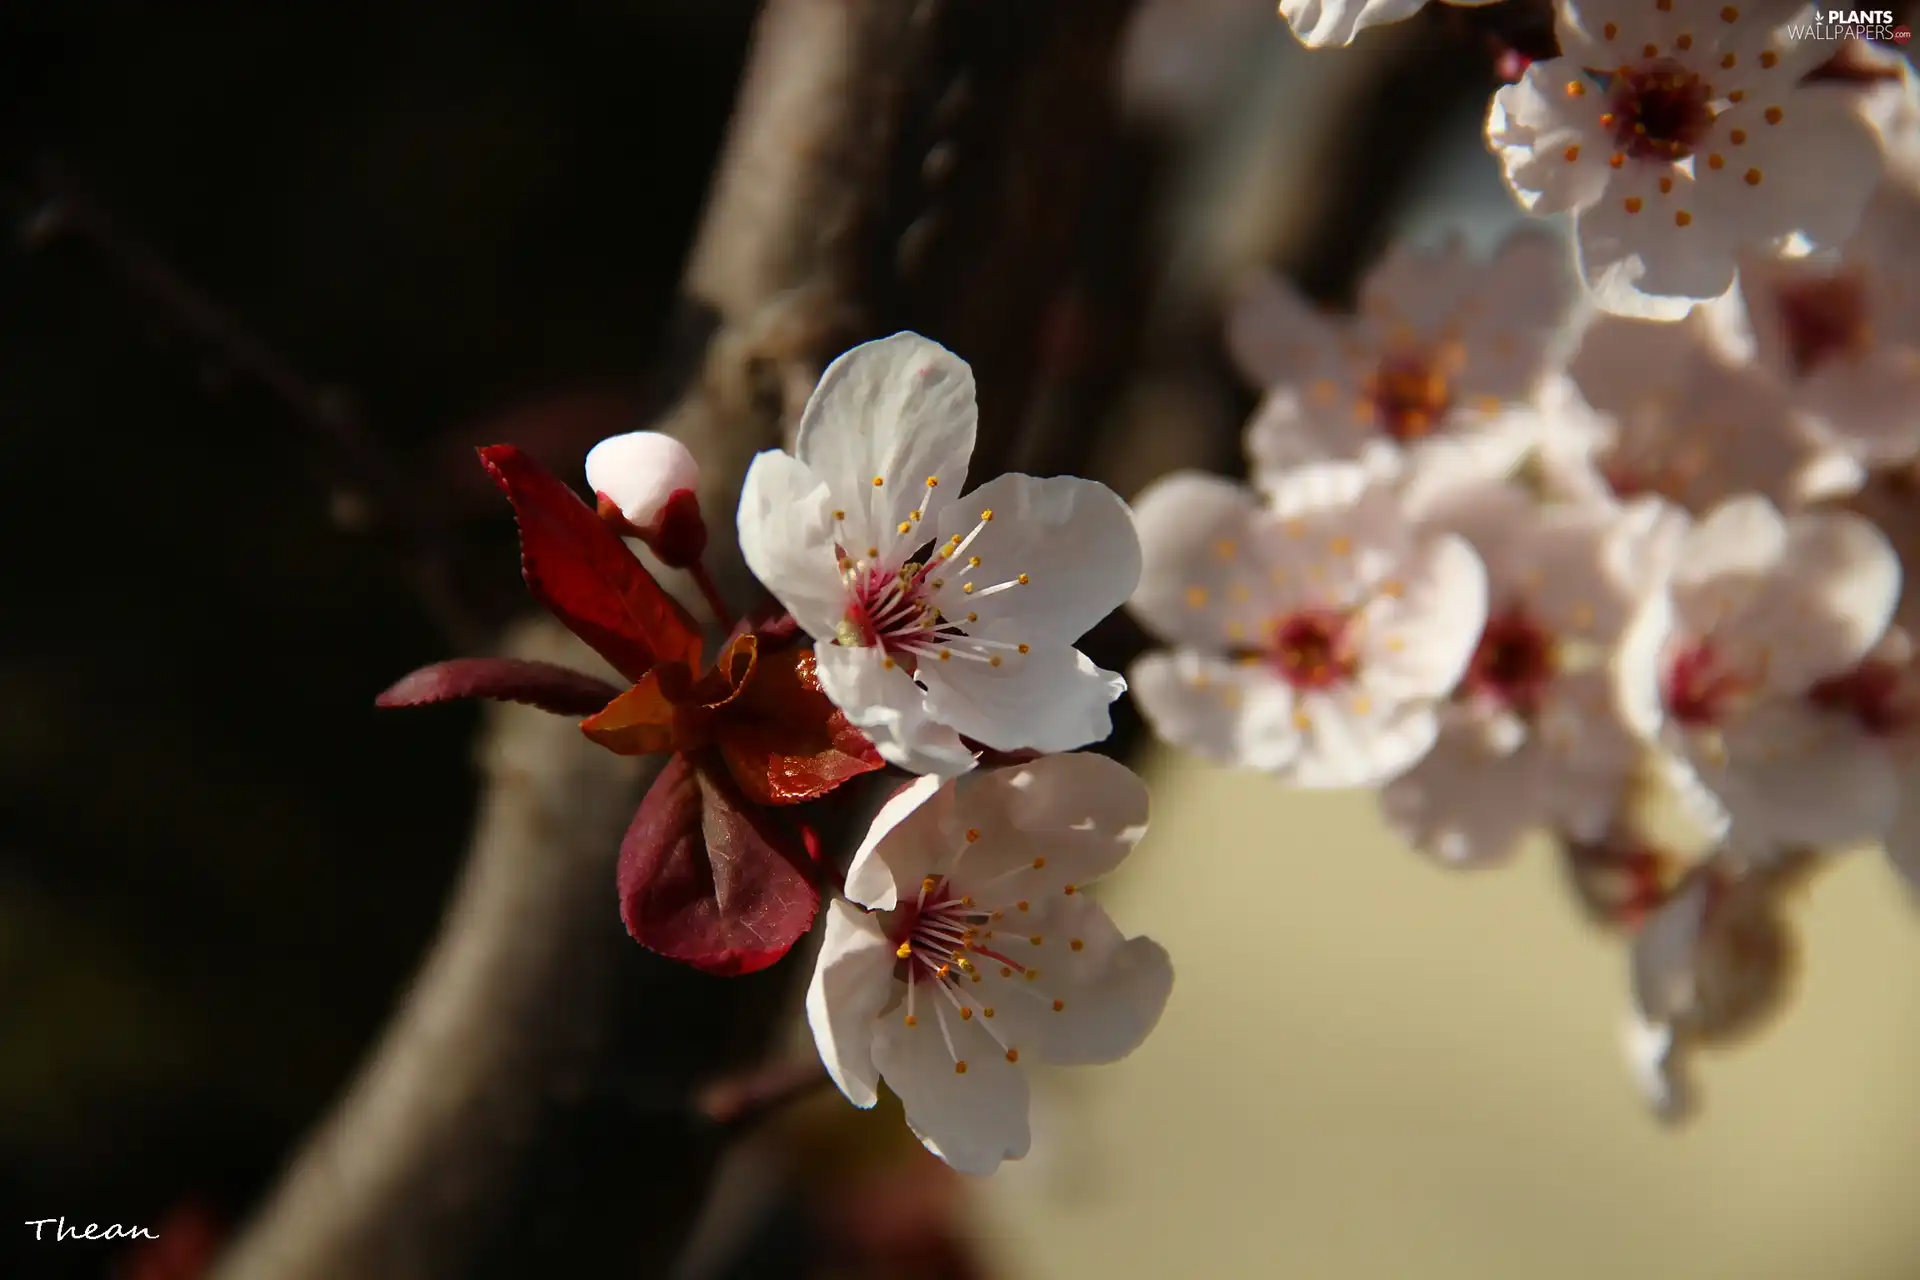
(271, 271)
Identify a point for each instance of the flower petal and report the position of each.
(1052, 698)
(1790, 776)
(890, 708)
(1275, 335)
(1080, 813)
(787, 539)
(1111, 991)
(1203, 581)
(852, 982)
(1537, 123)
(906, 838)
(1230, 713)
(972, 1119)
(1463, 804)
(1319, 23)
(1068, 545)
(1418, 642)
(890, 429)
(1352, 742)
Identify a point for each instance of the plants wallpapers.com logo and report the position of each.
(1851, 24)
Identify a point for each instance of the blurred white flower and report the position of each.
(979, 952)
(1882, 697)
(1720, 669)
(1842, 330)
(1319, 23)
(1531, 739)
(1661, 410)
(1316, 636)
(972, 636)
(1712, 962)
(1446, 349)
(1677, 132)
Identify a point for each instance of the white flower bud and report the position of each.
(639, 471)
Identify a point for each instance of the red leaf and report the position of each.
(706, 879)
(581, 571)
(668, 710)
(558, 689)
(784, 740)
(640, 722)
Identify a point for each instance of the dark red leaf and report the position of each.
(708, 880)
(558, 689)
(585, 575)
(784, 740)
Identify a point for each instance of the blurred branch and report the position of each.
(57, 212)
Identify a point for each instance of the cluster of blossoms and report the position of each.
(1537, 549)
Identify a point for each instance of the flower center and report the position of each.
(1659, 111)
(898, 611)
(1410, 395)
(1701, 689)
(1514, 663)
(1313, 649)
(963, 956)
(1823, 320)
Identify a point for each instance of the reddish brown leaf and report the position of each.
(558, 689)
(585, 575)
(784, 740)
(640, 722)
(670, 711)
(708, 880)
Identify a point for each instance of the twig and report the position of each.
(738, 1103)
(58, 212)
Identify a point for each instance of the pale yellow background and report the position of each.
(1374, 1067)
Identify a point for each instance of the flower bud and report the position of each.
(645, 483)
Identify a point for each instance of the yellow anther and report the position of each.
(839, 515)
(1753, 177)
(1225, 548)
(1005, 972)
(878, 481)
(994, 661)
(966, 1014)
(906, 949)
(987, 1012)
(887, 663)
(933, 482)
(1024, 580)
(1340, 545)
(942, 971)
(1196, 597)
(987, 514)
(973, 617)
(946, 655)
(960, 1068)
(1026, 648)
(1058, 1005)
(1013, 1055)
(967, 587)
(1036, 939)
(906, 526)
(1078, 944)
(1774, 115)
(973, 834)
(912, 1021)
(915, 514)
(872, 552)
(1071, 890)
(973, 562)
(1681, 218)
(1302, 721)
(1039, 864)
(1021, 905)
(1033, 975)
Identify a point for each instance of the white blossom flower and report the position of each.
(1315, 636)
(1659, 409)
(639, 471)
(972, 635)
(979, 951)
(1678, 131)
(1720, 670)
(1531, 738)
(1706, 967)
(1842, 330)
(1882, 697)
(1318, 23)
(1445, 349)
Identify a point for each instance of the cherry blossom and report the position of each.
(1530, 739)
(1706, 967)
(1678, 132)
(971, 635)
(970, 950)
(1722, 670)
(1315, 637)
(1445, 349)
(1661, 410)
(1318, 23)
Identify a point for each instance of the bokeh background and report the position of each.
(219, 868)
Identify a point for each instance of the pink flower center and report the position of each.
(1313, 649)
(1824, 320)
(1700, 689)
(895, 610)
(1410, 395)
(964, 955)
(1515, 662)
(1658, 111)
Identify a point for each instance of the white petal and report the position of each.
(1659, 1070)
(1274, 335)
(1533, 123)
(1417, 644)
(1228, 712)
(786, 538)
(1080, 812)
(1664, 952)
(973, 1120)
(1790, 776)
(1202, 581)
(1356, 742)
(1112, 991)
(1289, 429)
(1073, 539)
(1052, 698)
(640, 471)
(1637, 664)
(1849, 575)
(1463, 804)
(1319, 23)
(1810, 173)
(907, 837)
(901, 411)
(1637, 257)
(890, 708)
(852, 981)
